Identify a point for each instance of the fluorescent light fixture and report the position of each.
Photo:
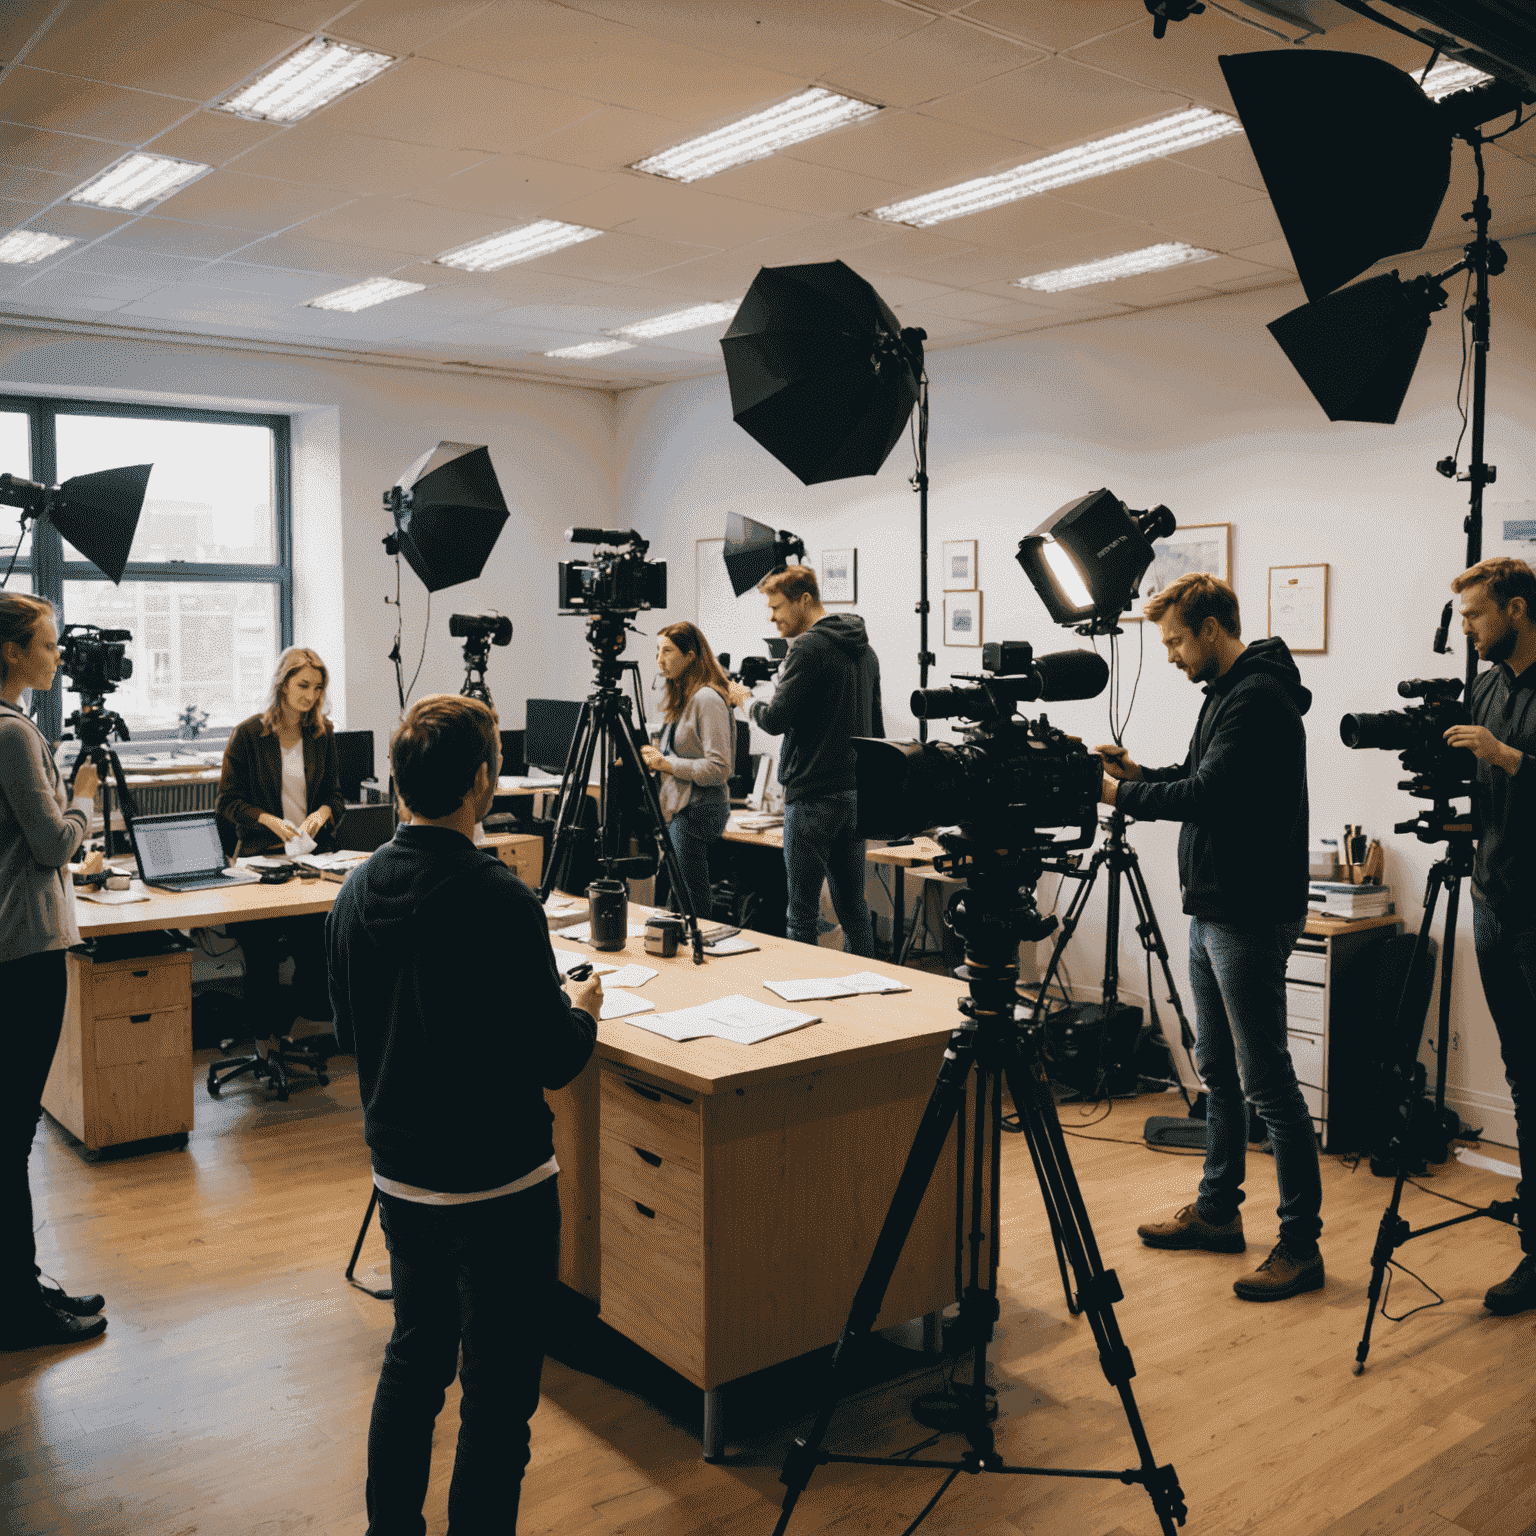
(1449, 77)
(805, 116)
(593, 349)
(1167, 136)
(137, 180)
(1150, 258)
(512, 245)
(305, 81)
(376, 290)
(679, 320)
(22, 247)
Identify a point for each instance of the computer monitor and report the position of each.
(354, 761)
(551, 724)
(512, 759)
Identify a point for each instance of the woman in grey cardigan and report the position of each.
(41, 826)
(695, 758)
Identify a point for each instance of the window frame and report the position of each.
(48, 568)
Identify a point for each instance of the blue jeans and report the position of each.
(482, 1276)
(1238, 979)
(1506, 959)
(694, 830)
(819, 845)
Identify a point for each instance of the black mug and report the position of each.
(608, 913)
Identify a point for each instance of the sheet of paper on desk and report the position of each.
(566, 960)
(811, 987)
(624, 975)
(735, 945)
(135, 892)
(619, 1005)
(873, 981)
(741, 1019)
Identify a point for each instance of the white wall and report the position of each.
(1194, 406)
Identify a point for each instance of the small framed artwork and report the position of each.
(1298, 606)
(1192, 547)
(962, 619)
(957, 563)
(839, 575)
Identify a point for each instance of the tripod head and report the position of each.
(94, 725)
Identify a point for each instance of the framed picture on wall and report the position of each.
(839, 575)
(1191, 547)
(1509, 528)
(957, 565)
(1298, 606)
(962, 619)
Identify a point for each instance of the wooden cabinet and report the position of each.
(521, 852)
(123, 1069)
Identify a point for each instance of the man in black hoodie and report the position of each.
(828, 692)
(1242, 796)
(444, 982)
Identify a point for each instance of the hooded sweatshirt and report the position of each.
(443, 979)
(828, 693)
(1241, 794)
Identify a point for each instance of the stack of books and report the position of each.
(1338, 898)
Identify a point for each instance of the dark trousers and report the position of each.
(819, 844)
(32, 994)
(480, 1276)
(693, 831)
(266, 945)
(1506, 959)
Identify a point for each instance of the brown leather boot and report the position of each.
(1515, 1294)
(1188, 1229)
(1282, 1274)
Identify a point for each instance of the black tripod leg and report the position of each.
(1389, 1236)
(1152, 938)
(573, 790)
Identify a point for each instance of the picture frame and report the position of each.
(1298, 607)
(1190, 547)
(839, 576)
(1510, 529)
(957, 565)
(962, 619)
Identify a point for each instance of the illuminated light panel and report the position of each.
(22, 247)
(315, 76)
(679, 320)
(513, 245)
(589, 349)
(376, 290)
(137, 180)
(805, 116)
(1068, 578)
(1167, 136)
(1150, 258)
(1451, 76)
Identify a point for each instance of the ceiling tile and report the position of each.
(32, 186)
(780, 182)
(940, 328)
(1230, 158)
(81, 223)
(325, 256)
(897, 290)
(516, 188)
(402, 224)
(66, 153)
(257, 203)
(402, 26)
(111, 260)
(212, 138)
(277, 282)
(912, 148)
(1056, 26)
(1030, 222)
(87, 107)
(911, 250)
(512, 285)
(300, 15)
(19, 20)
(616, 257)
(213, 306)
(1160, 188)
(312, 153)
(645, 205)
(1268, 253)
(943, 57)
(50, 292)
(606, 139)
(1184, 63)
(720, 276)
(179, 237)
(170, 46)
(1222, 228)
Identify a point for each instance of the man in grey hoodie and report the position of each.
(828, 692)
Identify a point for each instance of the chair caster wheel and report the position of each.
(213, 1084)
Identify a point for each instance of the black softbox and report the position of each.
(448, 512)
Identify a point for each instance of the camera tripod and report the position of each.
(607, 734)
(94, 726)
(1420, 1122)
(992, 915)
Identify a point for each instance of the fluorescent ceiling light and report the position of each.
(593, 349)
(1451, 76)
(512, 245)
(679, 320)
(377, 290)
(305, 81)
(1098, 157)
(804, 116)
(1150, 258)
(137, 180)
(22, 247)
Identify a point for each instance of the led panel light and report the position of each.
(1150, 258)
(590, 349)
(805, 116)
(22, 247)
(679, 320)
(137, 180)
(315, 76)
(1446, 78)
(1167, 136)
(376, 290)
(513, 245)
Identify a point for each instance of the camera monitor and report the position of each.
(551, 725)
(354, 761)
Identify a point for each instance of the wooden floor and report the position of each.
(231, 1391)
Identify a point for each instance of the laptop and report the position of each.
(181, 851)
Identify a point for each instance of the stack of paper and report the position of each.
(619, 1005)
(732, 944)
(804, 991)
(1341, 899)
(740, 1019)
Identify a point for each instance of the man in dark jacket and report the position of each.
(1242, 796)
(828, 692)
(443, 978)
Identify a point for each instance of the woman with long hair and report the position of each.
(696, 754)
(41, 825)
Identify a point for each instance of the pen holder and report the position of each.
(608, 913)
(662, 935)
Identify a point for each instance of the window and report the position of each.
(207, 594)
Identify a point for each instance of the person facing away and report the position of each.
(695, 758)
(828, 692)
(1241, 794)
(444, 982)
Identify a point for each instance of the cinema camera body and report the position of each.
(617, 579)
(95, 660)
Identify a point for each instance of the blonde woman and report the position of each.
(696, 753)
(41, 825)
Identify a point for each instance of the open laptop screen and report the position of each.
(184, 843)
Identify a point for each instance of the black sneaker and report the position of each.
(77, 1306)
(47, 1325)
(1515, 1294)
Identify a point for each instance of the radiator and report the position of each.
(161, 799)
